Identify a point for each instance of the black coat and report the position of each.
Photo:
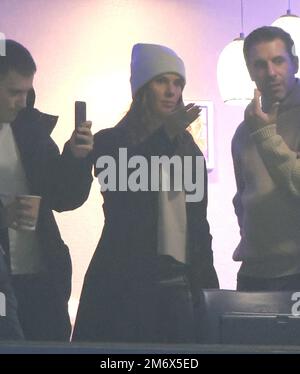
(63, 182)
(123, 267)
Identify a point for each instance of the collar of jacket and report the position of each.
(32, 117)
(32, 131)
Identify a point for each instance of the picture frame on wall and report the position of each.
(202, 130)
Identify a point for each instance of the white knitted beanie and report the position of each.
(151, 60)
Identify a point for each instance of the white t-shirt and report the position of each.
(24, 251)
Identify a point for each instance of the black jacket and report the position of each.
(62, 181)
(126, 256)
(10, 328)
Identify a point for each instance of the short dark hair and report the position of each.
(17, 58)
(268, 34)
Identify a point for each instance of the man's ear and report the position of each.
(30, 98)
(296, 64)
(249, 71)
(251, 75)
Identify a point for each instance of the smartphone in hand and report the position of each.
(80, 115)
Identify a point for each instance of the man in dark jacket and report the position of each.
(31, 164)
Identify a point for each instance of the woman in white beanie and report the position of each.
(155, 253)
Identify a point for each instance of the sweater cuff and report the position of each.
(264, 133)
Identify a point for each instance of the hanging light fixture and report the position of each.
(235, 85)
(291, 24)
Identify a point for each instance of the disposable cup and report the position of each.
(33, 203)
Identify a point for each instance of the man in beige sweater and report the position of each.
(265, 151)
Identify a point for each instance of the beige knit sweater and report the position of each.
(267, 202)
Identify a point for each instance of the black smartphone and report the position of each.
(80, 113)
(80, 116)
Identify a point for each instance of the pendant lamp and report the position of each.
(235, 85)
(291, 24)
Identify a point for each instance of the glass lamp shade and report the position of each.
(291, 24)
(235, 85)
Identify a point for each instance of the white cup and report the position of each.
(33, 205)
